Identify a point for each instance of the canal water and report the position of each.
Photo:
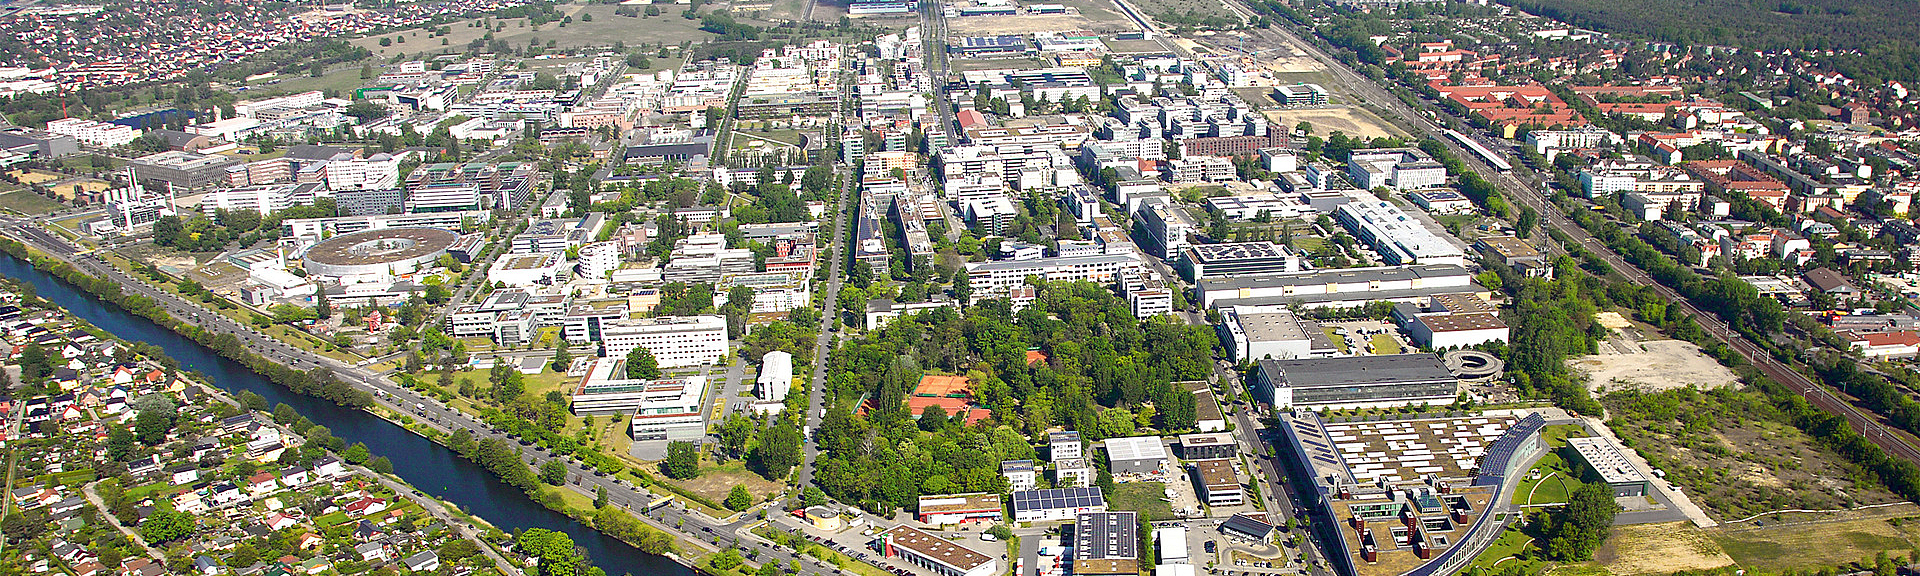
(429, 467)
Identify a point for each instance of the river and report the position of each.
(429, 467)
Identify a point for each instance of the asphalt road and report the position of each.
(691, 525)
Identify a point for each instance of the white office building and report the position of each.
(776, 376)
(599, 259)
(675, 341)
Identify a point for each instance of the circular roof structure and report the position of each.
(378, 250)
(1469, 363)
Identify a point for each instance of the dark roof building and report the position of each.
(1355, 381)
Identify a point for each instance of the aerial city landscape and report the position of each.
(960, 288)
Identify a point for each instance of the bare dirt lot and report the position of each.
(1651, 366)
(1353, 121)
(1659, 549)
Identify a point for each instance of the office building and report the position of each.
(1605, 462)
(584, 323)
(776, 376)
(370, 202)
(1064, 446)
(1395, 168)
(263, 200)
(1355, 382)
(1216, 483)
(675, 341)
(1300, 95)
(103, 134)
(1138, 455)
(1207, 446)
(1056, 504)
(999, 276)
(452, 197)
(1238, 259)
(1072, 473)
(1106, 543)
(180, 172)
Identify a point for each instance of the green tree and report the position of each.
(556, 551)
(1573, 531)
(683, 460)
(739, 499)
(553, 472)
(641, 364)
(728, 560)
(562, 358)
(151, 427)
(356, 454)
(380, 464)
(166, 526)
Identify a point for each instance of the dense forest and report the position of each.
(1883, 31)
(1104, 373)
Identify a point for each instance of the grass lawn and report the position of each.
(155, 490)
(1775, 548)
(332, 519)
(1384, 344)
(27, 202)
(1553, 487)
(717, 480)
(340, 81)
(1339, 342)
(1143, 497)
(1509, 543)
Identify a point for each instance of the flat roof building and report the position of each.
(1609, 465)
(776, 376)
(1171, 544)
(1136, 455)
(675, 341)
(944, 509)
(1400, 238)
(1021, 475)
(1238, 259)
(1106, 543)
(935, 553)
(1251, 335)
(1216, 484)
(1207, 446)
(1338, 287)
(1355, 381)
(1056, 504)
(1065, 445)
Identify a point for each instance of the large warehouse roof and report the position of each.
(1356, 370)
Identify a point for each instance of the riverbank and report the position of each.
(340, 394)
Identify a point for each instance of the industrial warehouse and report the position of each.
(1355, 381)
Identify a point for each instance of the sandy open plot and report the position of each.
(1655, 365)
(1353, 121)
(1659, 549)
(1612, 320)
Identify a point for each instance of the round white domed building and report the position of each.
(383, 252)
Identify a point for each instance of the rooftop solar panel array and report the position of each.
(1493, 464)
(1058, 498)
